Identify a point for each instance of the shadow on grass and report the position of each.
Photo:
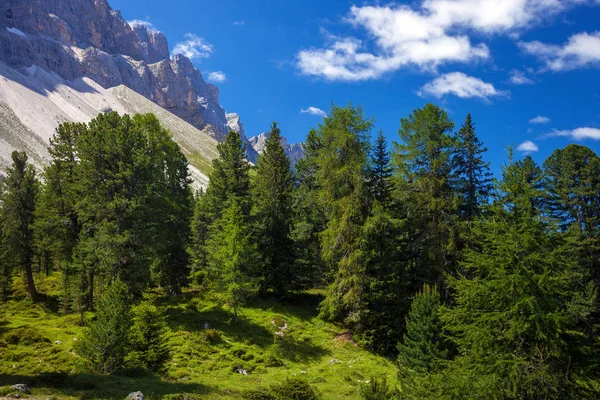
(301, 305)
(190, 319)
(91, 386)
(299, 351)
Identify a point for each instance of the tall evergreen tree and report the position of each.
(271, 214)
(516, 316)
(472, 174)
(424, 163)
(19, 199)
(309, 215)
(342, 191)
(231, 258)
(380, 177)
(199, 237)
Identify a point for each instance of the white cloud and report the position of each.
(519, 78)
(528, 147)
(194, 47)
(238, 23)
(139, 22)
(581, 50)
(539, 120)
(314, 111)
(579, 133)
(217, 76)
(430, 34)
(460, 85)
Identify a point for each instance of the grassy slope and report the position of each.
(204, 360)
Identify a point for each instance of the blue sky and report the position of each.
(528, 71)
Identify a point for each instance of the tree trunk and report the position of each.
(30, 283)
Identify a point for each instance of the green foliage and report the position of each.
(291, 389)
(380, 176)
(424, 163)
(271, 214)
(107, 340)
(341, 169)
(377, 389)
(231, 259)
(424, 348)
(149, 337)
(472, 175)
(20, 190)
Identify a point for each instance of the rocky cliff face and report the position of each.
(294, 151)
(86, 38)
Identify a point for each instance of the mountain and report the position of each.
(294, 151)
(82, 50)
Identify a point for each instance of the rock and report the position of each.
(294, 151)
(21, 387)
(333, 361)
(135, 396)
(57, 342)
(242, 371)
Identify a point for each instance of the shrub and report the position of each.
(24, 336)
(149, 349)
(291, 389)
(378, 390)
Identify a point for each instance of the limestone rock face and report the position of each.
(87, 39)
(294, 151)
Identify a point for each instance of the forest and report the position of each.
(469, 286)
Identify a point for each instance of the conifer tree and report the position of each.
(107, 340)
(472, 174)
(230, 179)
(231, 257)
(309, 215)
(341, 175)
(424, 348)
(271, 214)
(380, 177)
(516, 316)
(18, 207)
(199, 238)
(424, 163)
(148, 337)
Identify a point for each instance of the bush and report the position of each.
(291, 389)
(182, 396)
(107, 341)
(378, 390)
(149, 337)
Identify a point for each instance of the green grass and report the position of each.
(200, 162)
(208, 349)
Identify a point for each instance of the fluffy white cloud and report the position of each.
(539, 120)
(460, 85)
(581, 50)
(194, 47)
(579, 133)
(217, 76)
(238, 23)
(519, 78)
(528, 147)
(314, 111)
(428, 35)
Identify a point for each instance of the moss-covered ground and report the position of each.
(213, 356)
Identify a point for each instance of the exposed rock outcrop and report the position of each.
(294, 151)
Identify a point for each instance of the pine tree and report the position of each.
(19, 199)
(424, 168)
(107, 340)
(271, 214)
(309, 215)
(380, 182)
(230, 179)
(342, 192)
(472, 174)
(424, 348)
(199, 238)
(231, 257)
(516, 316)
(149, 349)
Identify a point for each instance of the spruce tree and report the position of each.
(424, 348)
(424, 173)
(472, 175)
(199, 238)
(231, 258)
(107, 340)
(309, 215)
(149, 349)
(271, 215)
(21, 188)
(341, 175)
(515, 319)
(380, 177)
